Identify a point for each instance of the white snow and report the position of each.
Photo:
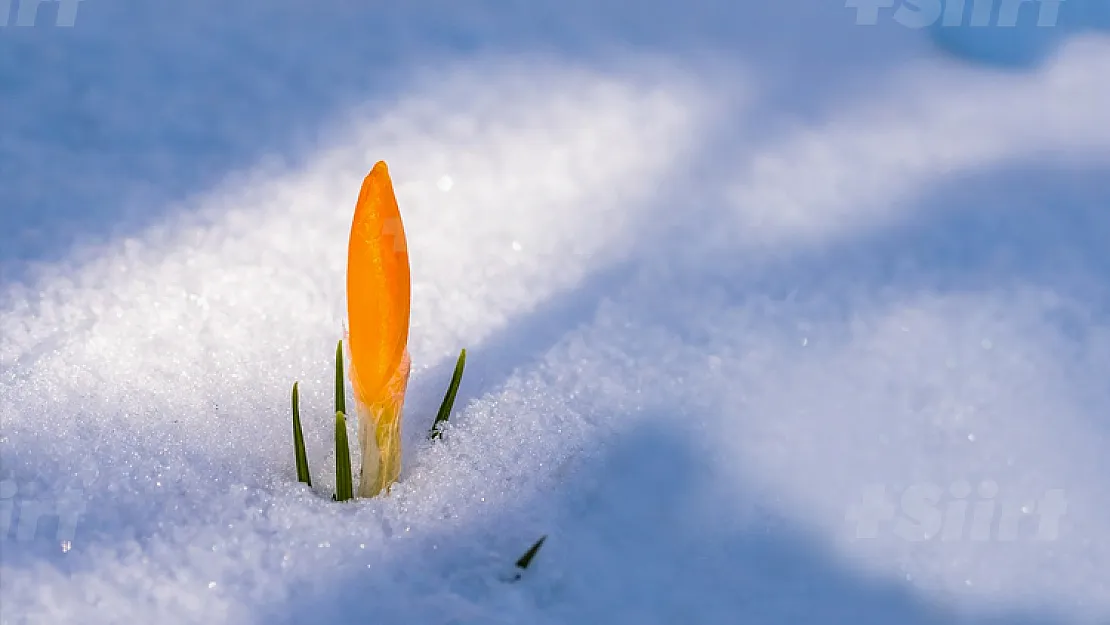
(731, 279)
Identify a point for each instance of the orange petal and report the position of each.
(378, 289)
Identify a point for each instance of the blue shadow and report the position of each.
(985, 35)
(629, 552)
(111, 123)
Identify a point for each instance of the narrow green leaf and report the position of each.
(298, 440)
(340, 393)
(526, 559)
(344, 486)
(449, 398)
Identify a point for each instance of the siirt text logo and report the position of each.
(926, 511)
(27, 14)
(23, 518)
(925, 13)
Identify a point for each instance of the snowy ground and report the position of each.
(735, 278)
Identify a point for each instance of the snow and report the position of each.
(733, 279)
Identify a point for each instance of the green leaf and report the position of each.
(449, 398)
(344, 485)
(298, 440)
(340, 393)
(526, 559)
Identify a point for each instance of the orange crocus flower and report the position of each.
(378, 299)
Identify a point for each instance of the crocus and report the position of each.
(378, 298)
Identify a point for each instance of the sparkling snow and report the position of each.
(771, 317)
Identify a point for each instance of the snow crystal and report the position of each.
(770, 318)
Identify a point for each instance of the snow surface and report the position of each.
(722, 270)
